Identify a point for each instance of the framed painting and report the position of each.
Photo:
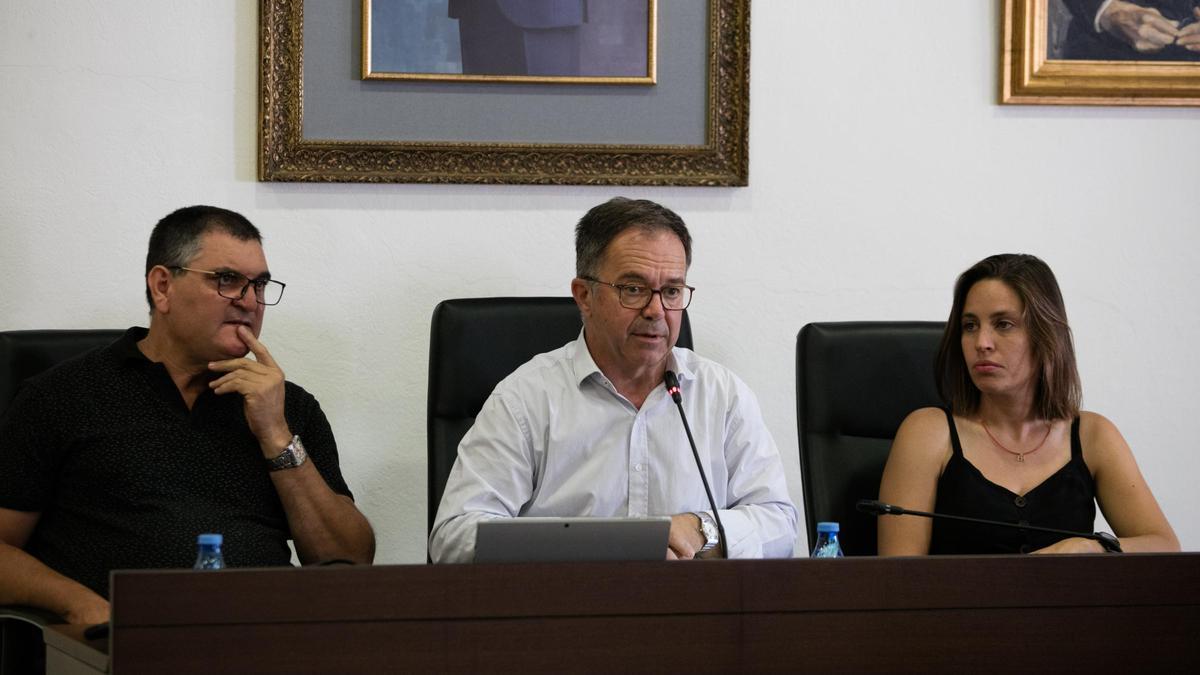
(1101, 52)
(552, 41)
(680, 118)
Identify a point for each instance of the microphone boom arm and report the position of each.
(1110, 543)
(672, 384)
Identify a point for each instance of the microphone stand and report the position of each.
(1110, 543)
(672, 383)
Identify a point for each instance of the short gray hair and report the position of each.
(604, 222)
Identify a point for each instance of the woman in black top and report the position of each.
(1013, 445)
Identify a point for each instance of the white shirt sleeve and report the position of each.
(761, 520)
(1099, 12)
(492, 478)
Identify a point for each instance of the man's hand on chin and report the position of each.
(260, 381)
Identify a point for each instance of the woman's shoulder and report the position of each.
(1099, 437)
(924, 430)
(1096, 427)
(926, 420)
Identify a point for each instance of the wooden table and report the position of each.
(1094, 613)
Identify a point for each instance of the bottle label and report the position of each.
(828, 550)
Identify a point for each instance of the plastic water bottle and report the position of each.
(827, 541)
(208, 556)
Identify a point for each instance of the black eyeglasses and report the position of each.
(637, 296)
(233, 285)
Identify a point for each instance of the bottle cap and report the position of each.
(827, 527)
(210, 540)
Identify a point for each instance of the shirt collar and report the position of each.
(584, 366)
(126, 348)
(582, 363)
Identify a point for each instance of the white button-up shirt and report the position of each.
(556, 439)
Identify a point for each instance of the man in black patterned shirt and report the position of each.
(119, 458)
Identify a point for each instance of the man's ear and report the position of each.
(158, 280)
(581, 290)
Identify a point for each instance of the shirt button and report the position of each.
(1023, 523)
(1019, 501)
(637, 467)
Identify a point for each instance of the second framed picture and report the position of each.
(1101, 52)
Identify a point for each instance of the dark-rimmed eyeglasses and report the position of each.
(233, 285)
(638, 296)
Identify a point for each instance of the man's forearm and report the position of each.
(324, 524)
(25, 580)
(453, 540)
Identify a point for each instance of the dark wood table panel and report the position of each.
(1091, 614)
(1044, 640)
(561, 644)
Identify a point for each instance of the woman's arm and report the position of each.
(1122, 492)
(918, 455)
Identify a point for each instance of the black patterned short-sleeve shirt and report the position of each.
(125, 476)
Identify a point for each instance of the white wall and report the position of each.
(881, 168)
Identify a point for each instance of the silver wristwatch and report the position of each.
(291, 457)
(708, 528)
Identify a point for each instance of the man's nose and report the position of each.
(249, 298)
(656, 307)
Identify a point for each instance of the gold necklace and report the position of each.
(1020, 455)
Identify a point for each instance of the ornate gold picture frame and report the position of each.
(718, 157)
(1030, 76)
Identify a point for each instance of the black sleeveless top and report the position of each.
(1066, 501)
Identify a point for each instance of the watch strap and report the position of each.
(708, 528)
(292, 456)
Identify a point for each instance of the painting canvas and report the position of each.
(571, 41)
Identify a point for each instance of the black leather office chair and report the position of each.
(23, 354)
(855, 384)
(477, 342)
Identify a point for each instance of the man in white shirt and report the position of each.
(590, 430)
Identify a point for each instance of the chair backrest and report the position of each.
(475, 343)
(25, 353)
(855, 384)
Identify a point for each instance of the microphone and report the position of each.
(877, 508)
(672, 384)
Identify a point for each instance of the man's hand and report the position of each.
(87, 608)
(685, 538)
(1143, 28)
(1189, 35)
(260, 382)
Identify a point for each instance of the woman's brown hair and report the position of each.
(1057, 392)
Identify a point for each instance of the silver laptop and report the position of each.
(571, 539)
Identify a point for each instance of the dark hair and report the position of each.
(175, 240)
(1057, 392)
(599, 226)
